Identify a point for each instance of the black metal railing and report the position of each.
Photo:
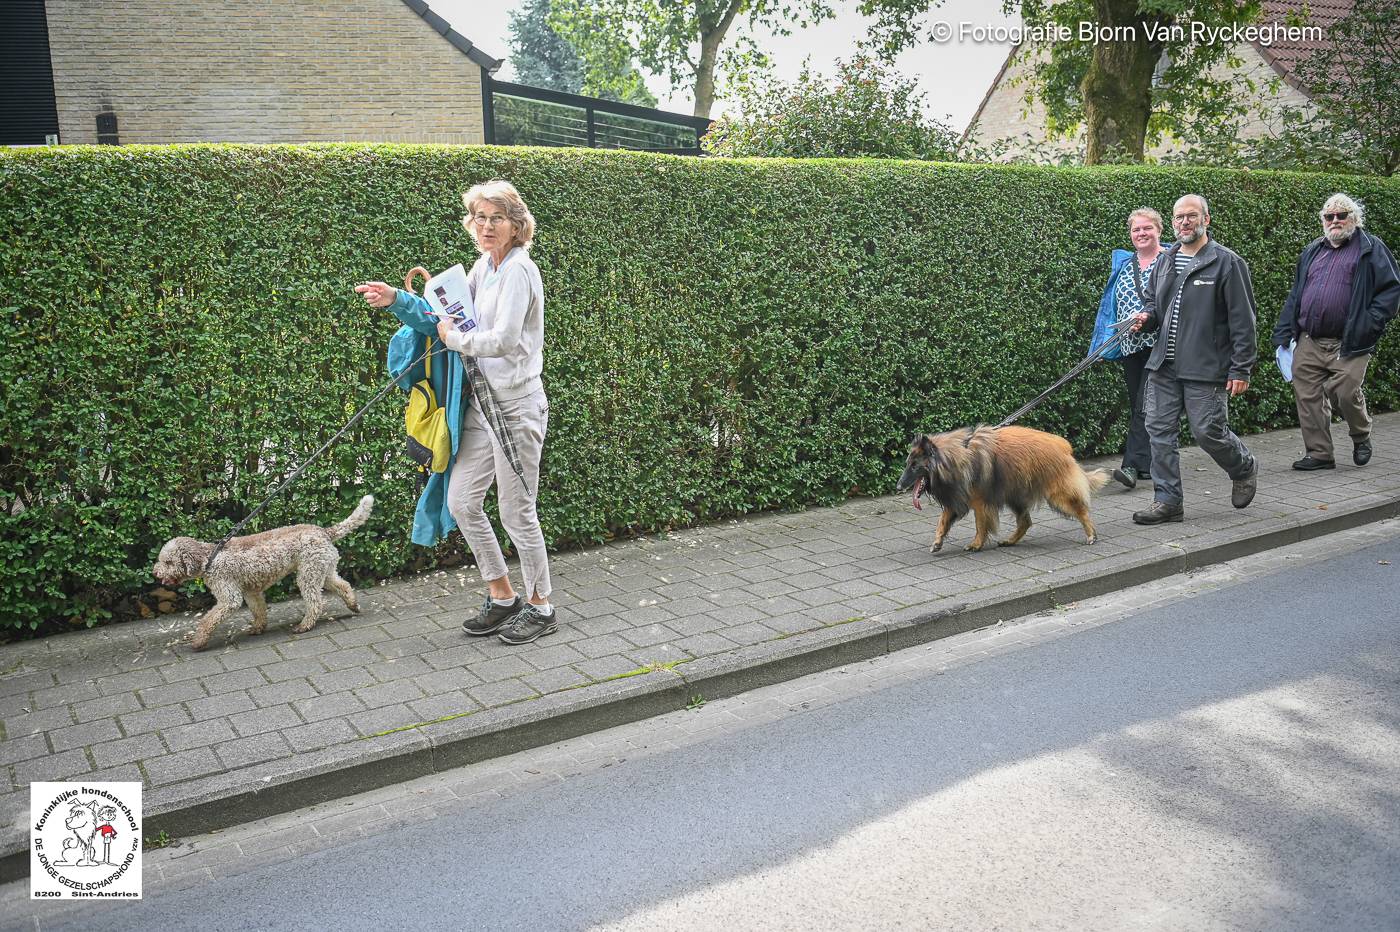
(519, 115)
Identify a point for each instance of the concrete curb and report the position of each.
(221, 800)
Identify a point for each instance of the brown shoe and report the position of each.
(1159, 513)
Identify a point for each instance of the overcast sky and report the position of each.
(954, 74)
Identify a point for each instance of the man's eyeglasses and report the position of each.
(494, 220)
(1339, 215)
(1186, 218)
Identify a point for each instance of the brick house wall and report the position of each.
(263, 71)
(1004, 114)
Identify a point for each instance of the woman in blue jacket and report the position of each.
(1127, 283)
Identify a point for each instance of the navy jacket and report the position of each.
(1375, 293)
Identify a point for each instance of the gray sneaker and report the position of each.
(1242, 490)
(492, 617)
(529, 624)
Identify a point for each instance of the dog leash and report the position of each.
(324, 447)
(1123, 329)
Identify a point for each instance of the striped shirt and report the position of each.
(1182, 261)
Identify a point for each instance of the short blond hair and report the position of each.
(1150, 214)
(502, 194)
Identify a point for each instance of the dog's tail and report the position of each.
(357, 517)
(1097, 478)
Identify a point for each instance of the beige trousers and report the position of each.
(1324, 383)
(480, 464)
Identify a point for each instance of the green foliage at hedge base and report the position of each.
(724, 336)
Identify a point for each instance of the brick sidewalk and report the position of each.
(399, 691)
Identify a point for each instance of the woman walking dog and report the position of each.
(507, 345)
(1127, 283)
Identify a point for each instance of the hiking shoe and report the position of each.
(1242, 491)
(1126, 476)
(1308, 464)
(492, 617)
(1159, 513)
(529, 624)
(1361, 453)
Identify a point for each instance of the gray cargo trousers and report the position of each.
(1206, 405)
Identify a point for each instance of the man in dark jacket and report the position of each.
(1345, 292)
(1201, 298)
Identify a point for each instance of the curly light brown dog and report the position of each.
(985, 469)
(248, 566)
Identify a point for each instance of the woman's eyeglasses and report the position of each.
(494, 220)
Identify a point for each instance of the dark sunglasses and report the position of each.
(1339, 215)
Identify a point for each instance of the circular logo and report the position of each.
(86, 840)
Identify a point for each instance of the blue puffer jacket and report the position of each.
(1108, 307)
(431, 520)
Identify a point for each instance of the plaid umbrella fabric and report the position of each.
(486, 398)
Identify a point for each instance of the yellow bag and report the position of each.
(425, 421)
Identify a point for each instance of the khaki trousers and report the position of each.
(1323, 383)
(480, 464)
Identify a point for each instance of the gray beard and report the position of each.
(1189, 238)
(1338, 237)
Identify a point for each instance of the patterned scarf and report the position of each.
(486, 397)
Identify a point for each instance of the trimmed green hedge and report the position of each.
(180, 332)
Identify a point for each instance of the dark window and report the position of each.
(29, 112)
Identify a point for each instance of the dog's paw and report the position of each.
(304, 626)
(354, 606)
(1090, 540)
(975, 547)
(1007, 543)
(197, 644)
(935, 546)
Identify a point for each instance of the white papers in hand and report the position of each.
(1284, 357)
(450, 298)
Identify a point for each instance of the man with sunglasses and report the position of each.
(1200, 298)
(1345, 292)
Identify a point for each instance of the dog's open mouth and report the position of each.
(918, 491)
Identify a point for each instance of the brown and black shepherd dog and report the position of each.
(985, 469)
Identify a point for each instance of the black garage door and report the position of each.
(28, 113)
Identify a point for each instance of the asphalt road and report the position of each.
(1230, 761)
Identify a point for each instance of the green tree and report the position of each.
(868, 109)
(1352, 121)
(1354, 82)
(542, 57)
(685, 41)
(1357, 87)
(1140, 74)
